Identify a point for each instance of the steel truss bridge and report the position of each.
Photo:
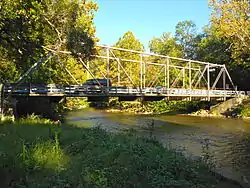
(134, 74)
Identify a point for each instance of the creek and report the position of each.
(224, 142)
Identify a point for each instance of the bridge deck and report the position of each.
(80, 91)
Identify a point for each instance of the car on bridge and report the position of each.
(97, 85)
(101, 82)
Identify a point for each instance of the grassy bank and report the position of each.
(40, 153)
(156, 107)
(134, 106)
(141, 107)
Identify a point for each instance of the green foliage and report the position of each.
(213, 49)
(128, 41)
(242, 111)
(156, 107)
(46, 155)
(92, 158)
(8, 69)
(166, 45)
(80, 44)
(73, 104)
(230, 26)
(231, 19)
(186, 36)
(174, 106)
(26, 28)
(245, 112)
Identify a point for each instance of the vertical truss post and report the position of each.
(168, 79)
(224, 82)
(190, 79)
(119, 71)
(208, 81)
(107, 51)
(202, 73)
(144, 74)
(199, 82)
(117, 59)
(229, 77)
(88, 71)
(183, 77)
(165, 76)
(141, 60)
(190, 75)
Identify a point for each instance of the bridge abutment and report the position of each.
(43, 106)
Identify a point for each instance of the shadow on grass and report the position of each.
(39, 153)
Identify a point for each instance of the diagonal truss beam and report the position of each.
(34, 67)
(156, 76)
(196, 74)
(230, 79)
(178, 76)
(202, 75)
(99, 70)
(118, 61)
(86, 67)
(62, 64)
(217, 78)
(143, 62)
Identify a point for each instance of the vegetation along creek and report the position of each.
(224, 143)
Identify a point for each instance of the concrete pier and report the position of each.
(44, 106)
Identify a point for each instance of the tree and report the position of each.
(186, 36)
(8, 70)
(230, 22)
(231, 18)
(28, 27)
(213, 49)
(129, 41)
(166, 45)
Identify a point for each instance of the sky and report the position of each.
(146, 18)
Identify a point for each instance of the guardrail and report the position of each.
(78, 89)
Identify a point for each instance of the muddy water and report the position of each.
(224, 142)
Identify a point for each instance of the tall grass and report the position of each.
(39, 153)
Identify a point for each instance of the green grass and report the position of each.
(38, 153)
(157, 106)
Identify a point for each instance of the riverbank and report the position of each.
(191, 108)
(155, 107)
(39, 153)
(241, 109)
(233, 108)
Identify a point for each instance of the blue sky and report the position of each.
(146, 18)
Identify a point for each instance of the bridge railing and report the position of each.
(78, 90)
